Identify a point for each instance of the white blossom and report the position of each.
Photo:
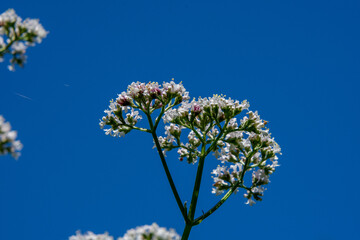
(9, 17)
(150, 232)
(33, 26)
(216, 107)
(212, 126)
(91, 236)
(16, 35)
(144, 97)
(8, 142)
(245, 142)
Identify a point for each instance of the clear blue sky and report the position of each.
(296, 63)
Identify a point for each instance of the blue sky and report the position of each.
(297, 63)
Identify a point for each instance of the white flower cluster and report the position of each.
(172, 140)
(215, 108)
(91, 236)
(146, 232)
(8, 144)
(240, 146)
(16, 35)
(145, 97)
(200, 116)
(120, 125)
(248, 147)
(150, 232)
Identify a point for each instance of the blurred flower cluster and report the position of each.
(122, 117)
(90, 236)
(150, 232)
(16, 35)
(8, 142)
(146, 232)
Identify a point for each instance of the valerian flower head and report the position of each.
(17, 35)
(146, 232)
(211, 125)
(241, 146)
(250, 146)
(34, 30)
(150, 232)
(8, 17)
(202, 117)
(145, 97)
(215, 109)
(8, 142)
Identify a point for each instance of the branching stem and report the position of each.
(168, 174)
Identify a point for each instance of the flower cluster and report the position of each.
(201, 117)
(146, 232)
(144, 97)
(90, 236)
(241, 146)
(150, 232)
(247, 147)
(16, 35)
(204, 110)
(211, 125)
(8, 144)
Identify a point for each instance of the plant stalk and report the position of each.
(186, 232)
(168, 174)
(196, 190)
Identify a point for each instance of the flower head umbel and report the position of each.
(8, 142)
(146, 232)
(90, 236)
(211, 125)
(17, 35)
(241, 146)
(123, 113)
(150, 232)
(197, 128)
(201, 117)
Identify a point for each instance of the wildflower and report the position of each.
(144, 97)
(150, 232)
(239, 147)
(91, 236)
(8, 142)
(17, 35)
(212, 123)
(146, 232)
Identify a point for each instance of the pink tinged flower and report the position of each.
(123, 99)
(155, 92)
(196, 108)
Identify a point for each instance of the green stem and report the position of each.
(168, 174)
(196, 190)
(14, 39)
(159, 117)
(247, 162)
(139, 128)
(4, 49)
(195, 194)
(222, 130)
(214, 208)
(197, 133)
(186, 232)
(239, 183)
